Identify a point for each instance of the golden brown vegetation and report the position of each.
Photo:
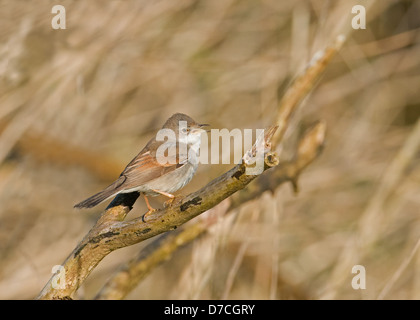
(77, 104)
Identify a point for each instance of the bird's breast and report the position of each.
(171, 181)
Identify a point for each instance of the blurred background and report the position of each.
(77, 105)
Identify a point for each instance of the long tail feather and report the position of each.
(100, 197)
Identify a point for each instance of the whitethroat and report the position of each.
(151, 176)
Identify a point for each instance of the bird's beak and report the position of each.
(197, 130)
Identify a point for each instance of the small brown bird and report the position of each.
(151, 176)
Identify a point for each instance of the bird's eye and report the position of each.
(184, 130)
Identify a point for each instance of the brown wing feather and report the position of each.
(144, 168)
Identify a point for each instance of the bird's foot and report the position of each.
(168, 202)
(148, 213)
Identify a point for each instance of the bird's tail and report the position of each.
(100, 197)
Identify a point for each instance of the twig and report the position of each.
(302, 85)
(160, 250)
(309, 148)
(111, 232)
(128, 277)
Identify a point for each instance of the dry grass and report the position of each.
(96, 92)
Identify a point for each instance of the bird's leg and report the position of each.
(170, 196)
(164, 193)
(143, 218)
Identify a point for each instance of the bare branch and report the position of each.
(302, 85)
(160, 250)
(132, 273)
(111, 232)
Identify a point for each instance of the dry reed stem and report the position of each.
(371, 220)
(399, 272)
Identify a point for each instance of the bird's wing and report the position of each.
(145, 167)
